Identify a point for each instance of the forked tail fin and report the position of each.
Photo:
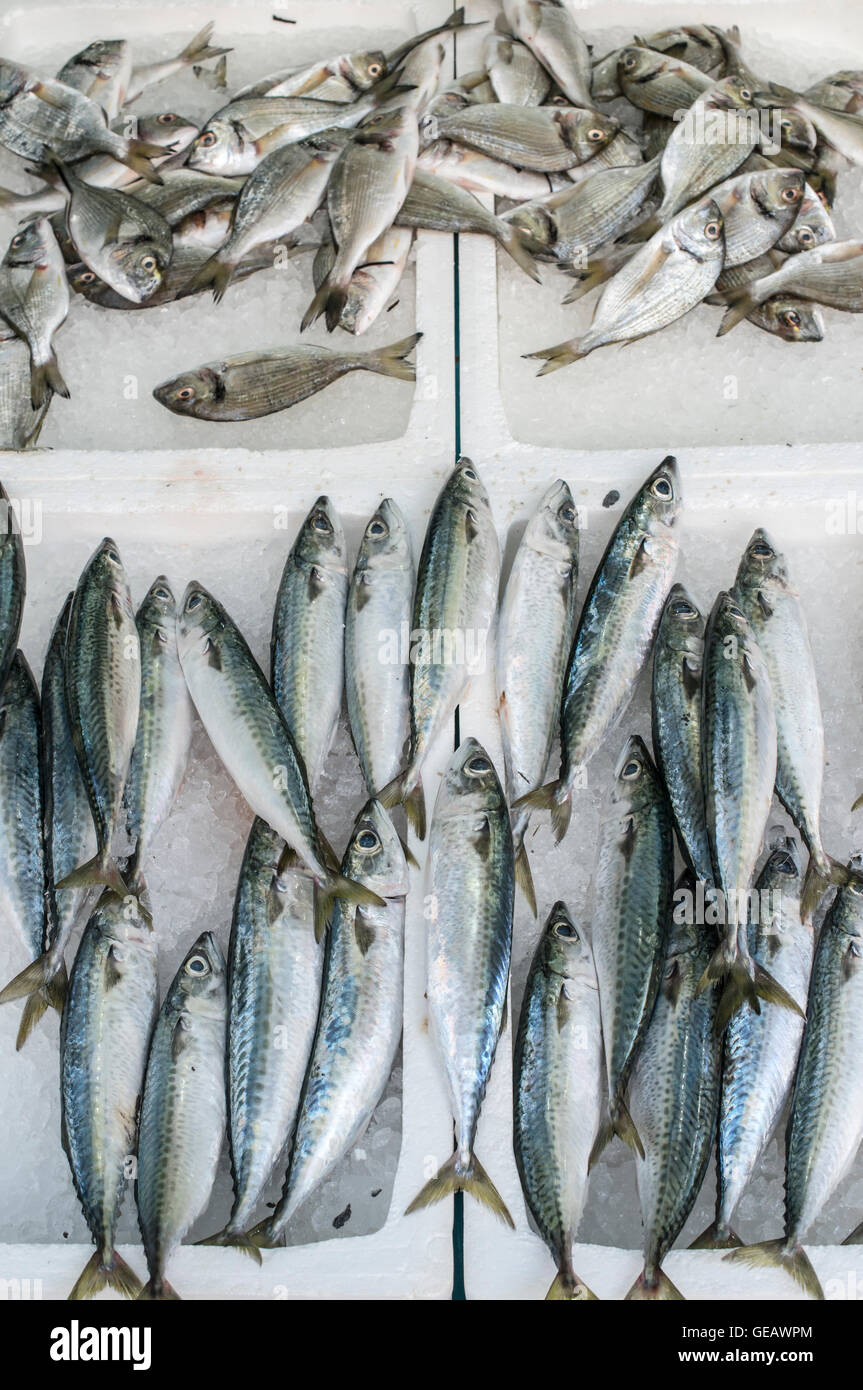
(454, 1177)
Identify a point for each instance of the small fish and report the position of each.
(615, 633)
(454, 609)
(183, 1109)
(197, 50)
(557, 1091)
(185, 262)
(545, 139)
(20, 424)
(813, 225)
(793, 320)
(360, 1020)
(164, 728)
(549, 30)
(105, 1036)
(478, 173)
(236, 139)
(535, 630)
(691, 162)
(472, 887)
(827, 1104)
(678, 663)
(434, 204)
(842, 131)
(841, 91)
(103, 690)
(656, 82)
(274, 989)
(757, 210)
(367, 186)
(380, 600)
(123, 241)
(373, 283)
(761, 1050)
(517, 77)
(308, 637)
(34, 300)
(657, 285)
(259, 383)
(674, 1099)
(572, 224)
(101, 71)
(249, 733)
(831, 275)
(632, 911)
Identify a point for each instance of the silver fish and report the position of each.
(842, 131)
(551, 33)
(360, 1020)
(757, 210)
(373, 283)
(124, 242)
(101, 71)
(13, 583)
(831, 275)
(720, 130)
(517, 77)
(454, 611)
(183, 1109)
(841, 91)
(557, 1091)
(34, 300)
(197, 50)
(812, 226)
(615, 633)
(794, 320)
(435, 204)
(478, 173)
(185, 262)
(546, 139)
(658, 83)
(20, 424)
(535, 632)
(107, 1023)
(377, 671)
(236, 139)
(472, 887)
(572, 224)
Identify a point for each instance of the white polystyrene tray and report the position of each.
(183, 509)
(797, 492)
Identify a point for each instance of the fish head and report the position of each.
(812, 227)
(658, 502)
(157, 616)
(635, 779)
(536, 224)
(637, 64)
(585, 132)
(219, 148)
(777, 192)
(465, 485)
(200, 622)
(375, 856)
(142, 266)
(762, 563)
(104, 55)
(470, 782)
(363, 70)
(700, 231)
(553, 528)
(321, 540)
(681, 627)
(166, 128)
(793, 319)
(784, 867)
(199, 985)
(106, 566)
(729, 629)
(191, 392)
(566, 950)
(797, 131)
(83, 280)
(34, 245)
(731, 93)
(386, 542)
(604, 82)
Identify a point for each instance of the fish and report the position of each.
(360, 1021)
(739, 771)
(367, 186)
(659, 83)
(572, 224)
(813, 225)
(662, 281)
(184, 193)
(283, 191)
(68, 832)
(308, 636)
(841, 91)
(480, 174)
(793, 320)
(674, 1101)
(536, 627)
(34, 300)
(103, 691)
(124, 242)
(182, 1110)
(517, 77)
(632, 912)
(260, 382)
(757, 210)
(20, 424)
(164, 731)
(26, 891)
(676, 722)
(703, 45)
(826, 1118)
(13, 583)
(418, 77)
(760, 1050)
(765, 590)
(274, 986)
(435, 204)
(831, 275)
(236, 138)
(377, 670)
(549, 30)
(705, 148)
(197, 50)
(615, 634)
(556, 1090)
(842, 131)
(469, 944)
(186, 260)
(108, 1020)
(249, 733)
(454, 608)
(101, 71)
(545, 139)
(41, 119)
(373, 283)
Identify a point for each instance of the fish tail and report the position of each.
(216, 272)
(655, 1288)
(512, 242)
(566, 1287)
(100, 869)
(46, 377)
(263, 1237)
(453, 1177)
(35, 1007)
(407, 790)
(717, 1236)
(817, 879)
(43, 980)
(619, 1123)
(138, 155)
(554, 797)
(99, 1273)
(524, 877)
(741, 303)
(775, 1254)
(390, 361)
(158, 1291)
(198, 49)
(235, 1240)
(330, 299)
(561, 355)
(597, 273)
(772, 992)
(856, 1236)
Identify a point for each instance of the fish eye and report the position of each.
(712, 230)
(762, 550)
(631, 770)
(805, 237)
(194, 602)
(784, 864)
(162, 593)
(167, 118)
(186, 393)
(375, 69)
(207, 140)
(147, 262)
(662, 488)
(197, 965)
(478, 766)
(377, 527)
(113, 556)
(86, 277)
(564, 929)
(734, 612)
(320, 523)
(470, 474)
(567, 513)
(790, 318)
(792, 194)
(367, 841)
(17, 240)
(786, 124)
(745, 94)
(681, 609)
(630, 61)
(594, 135)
